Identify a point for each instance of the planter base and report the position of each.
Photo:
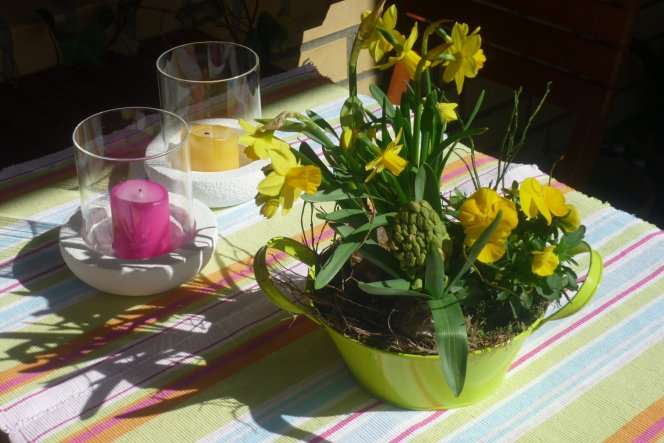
(416, 382)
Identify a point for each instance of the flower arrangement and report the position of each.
(466, 270)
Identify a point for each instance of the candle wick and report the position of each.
(207, 133)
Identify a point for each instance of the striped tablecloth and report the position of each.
(213, 360)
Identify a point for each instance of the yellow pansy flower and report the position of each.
(469, 57)
(389, 159)
(477, 212)
(572, 220)
(259, 143)
(537, 199)
(545, 262)
(447, 111)
(287, 180)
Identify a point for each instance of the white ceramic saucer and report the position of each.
(139, 277)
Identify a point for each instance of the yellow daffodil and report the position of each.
(469, 57)
(410, 60)
(389, 159)
(403, 46)
(477, 212)
(287, 180)
(269, 205)
(545, 262)
(572, 220)
(447, 111)
(259, 143)
(377, 44)
(537, 199)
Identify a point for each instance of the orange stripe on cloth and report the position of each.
(640, 424)
(88, 342)
(197, 381)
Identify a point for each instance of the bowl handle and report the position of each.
(585, 292)
(296, 250)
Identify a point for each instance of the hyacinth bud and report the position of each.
(415, 226)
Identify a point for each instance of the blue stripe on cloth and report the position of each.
(613, 346)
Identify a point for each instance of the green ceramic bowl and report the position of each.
(415, 381)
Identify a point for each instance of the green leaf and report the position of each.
(572, 242)
(383, 100)
(478, 105)
(337, 259)
(378, 256)
(341, 215)
(396, 287)
(335, 195)
(320, 121)
(349, 244)
(420, 183)
(526, 299)
(432, 190)
(451, 340)
(434, 274)
(555, 282)
(317, 135)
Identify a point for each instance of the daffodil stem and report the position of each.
(417, 120)
(352, 68)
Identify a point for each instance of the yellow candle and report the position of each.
(213, 148)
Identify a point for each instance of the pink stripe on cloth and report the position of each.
(650, 433)
(30, 252)
(544, 345)
(418, 425)
(233, 278)
(632, 247)
(107, 423)
(463, 170)
(588, 317)
(345, 421)
(29, 279)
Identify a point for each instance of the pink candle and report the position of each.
(141, 219)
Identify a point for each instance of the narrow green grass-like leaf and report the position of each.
(420, 183)
(434, 273)
(432, 190)
(381, 98)
(396, 287)
(336, 195)
(321, 122)
(337, 259)
(451, 340)
(381, 258)
(341, 215)
(349, 244)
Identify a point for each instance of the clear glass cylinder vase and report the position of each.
(210, 80)
(134, 179)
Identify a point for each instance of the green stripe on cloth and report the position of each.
(214, 360)
(627, 392)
